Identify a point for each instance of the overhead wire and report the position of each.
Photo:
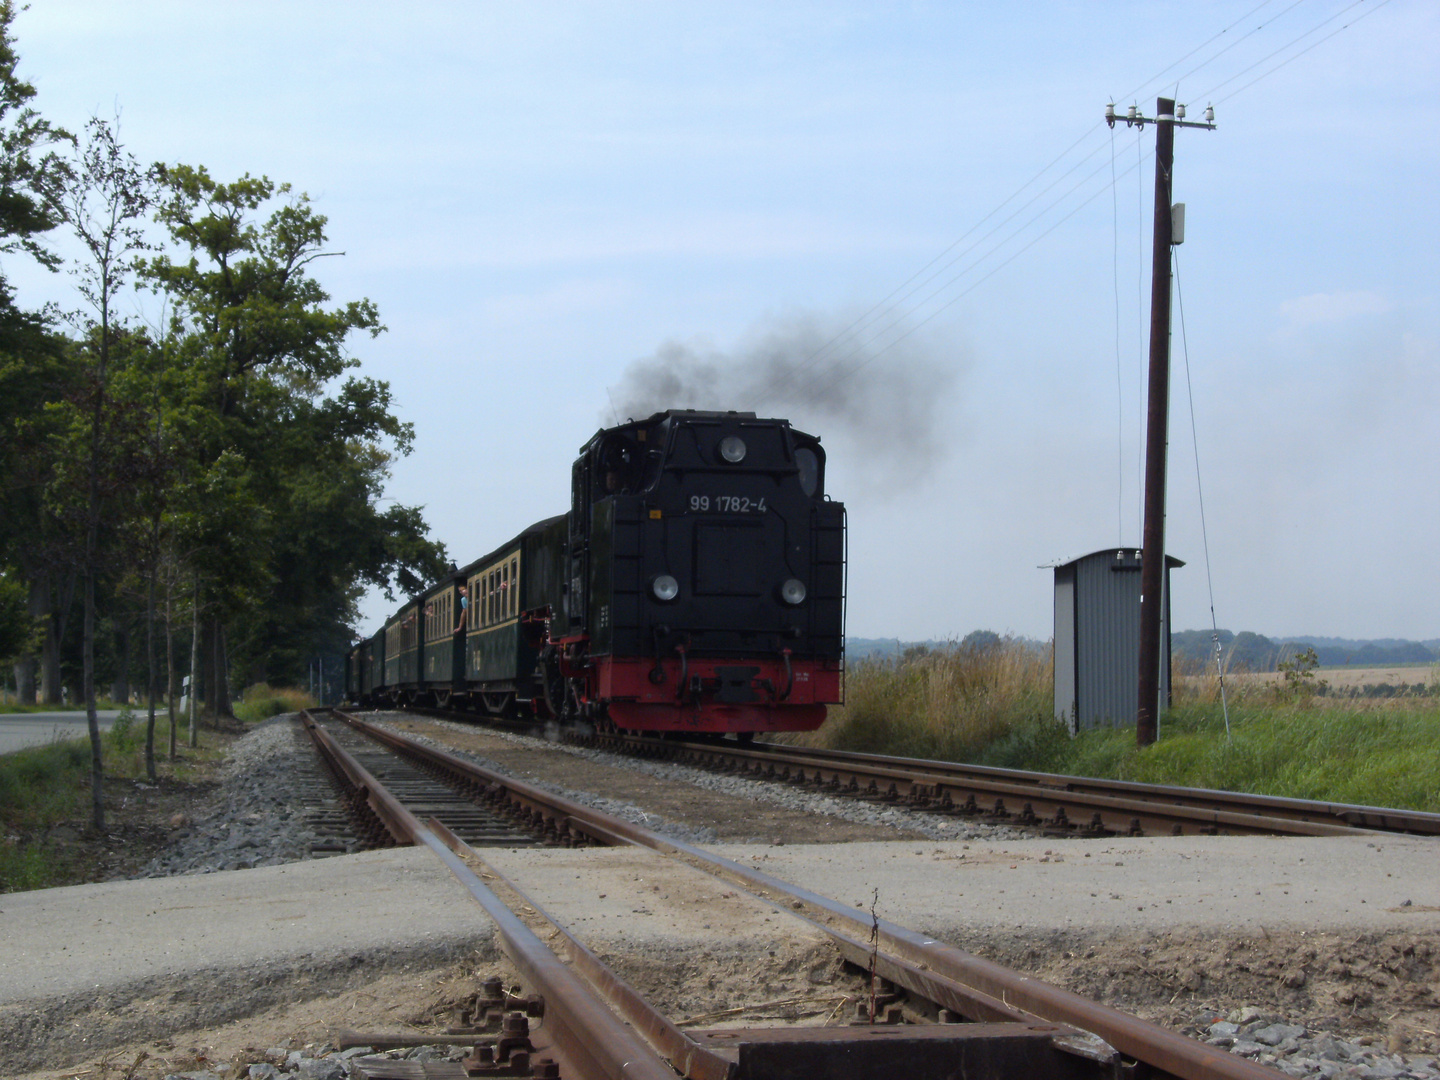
(1241, 38)
(877, 323)
(1200, 492)
(1314, 44)
(788, 378)
(841, 376)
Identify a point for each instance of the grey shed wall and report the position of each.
(1097, 638)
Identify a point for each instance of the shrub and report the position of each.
(261, 701)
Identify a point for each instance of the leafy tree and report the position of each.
(105, 205)
(309, 444)
(17, 628)
(981, 641)
(33, 173)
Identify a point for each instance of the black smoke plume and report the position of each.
(885, 406)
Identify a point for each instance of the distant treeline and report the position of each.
(1256, 652)
(1243, 651)
(858, 648)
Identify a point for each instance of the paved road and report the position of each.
(19, 730)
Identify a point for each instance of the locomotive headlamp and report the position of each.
(793, 591)
(732, 449)
(665, 587)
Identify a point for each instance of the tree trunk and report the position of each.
(27, 665)
(25, 680)
(42, 605)
(120, 687)
(222, 674)
(195, 668)
(57, 617)
(97, 774)
(207, 661)
(150, 679)
(170, 687)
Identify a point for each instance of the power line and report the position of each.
(1200, 491)
(888, 314)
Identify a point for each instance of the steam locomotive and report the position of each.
(697, 584)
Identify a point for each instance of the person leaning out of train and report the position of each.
(464, 608)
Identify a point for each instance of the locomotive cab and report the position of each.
(705, 585)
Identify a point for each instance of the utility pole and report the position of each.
(1157, 418)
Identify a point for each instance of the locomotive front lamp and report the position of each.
(732, 449)
(666, 588)
(793, 591)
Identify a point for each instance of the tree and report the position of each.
(33, 174)
(105, 204)
(309, 445)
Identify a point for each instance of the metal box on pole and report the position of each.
(1097, 637)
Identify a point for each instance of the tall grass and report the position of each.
(993, 707)
(943, 703)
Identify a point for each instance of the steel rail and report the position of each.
(1360, 816)
(560, 820)
(986, 983)
(398, 821)
(938, 788)
(585, 1034)
(917, 962)
(1266, 813)
(687, 1055)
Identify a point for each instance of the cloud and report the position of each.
(1321, 308)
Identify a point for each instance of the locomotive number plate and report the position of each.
(726, 504)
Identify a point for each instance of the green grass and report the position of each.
(260, 702)
(9, 708)
(45, 786)
(994, 710)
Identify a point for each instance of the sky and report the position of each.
(905, 227)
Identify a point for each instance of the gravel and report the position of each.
(1249, 1033)
(316, 1062)
(933, 826)
(257, 821)
(1294, 1050)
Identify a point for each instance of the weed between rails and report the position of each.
(993, 706)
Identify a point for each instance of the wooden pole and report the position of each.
(1152, 564)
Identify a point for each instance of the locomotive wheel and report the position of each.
(554, 687)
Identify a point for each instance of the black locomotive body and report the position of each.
(697, 583)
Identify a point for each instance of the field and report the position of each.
(1367, 736)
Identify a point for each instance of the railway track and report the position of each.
(928, 1011)
(1048, 804)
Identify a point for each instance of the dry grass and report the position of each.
(948, 703)
(1293, 737)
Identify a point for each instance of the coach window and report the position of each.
(505, 593)
(514, 587)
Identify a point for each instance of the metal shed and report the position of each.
(1097, 638)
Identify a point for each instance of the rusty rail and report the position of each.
(950, 977)
(1357, 816)
(586, 1036)
(1081, 807)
